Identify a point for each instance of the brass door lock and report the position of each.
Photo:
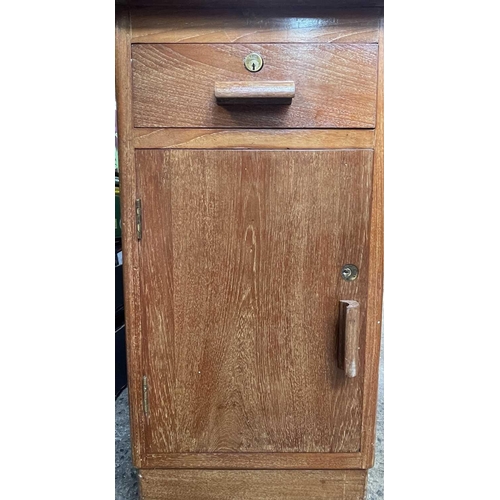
(253, 62)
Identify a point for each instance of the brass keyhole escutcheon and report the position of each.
(253, 62)
(349, 272)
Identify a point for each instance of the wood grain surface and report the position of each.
(130, 249)
(145, 138)
(200, 27)
(173, 85)
(240, 264)
(251, 485)
(249, 461)
(254, 92)
(376, 277)
(348, 337)
(241, 25)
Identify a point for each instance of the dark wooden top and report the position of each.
(246, 4)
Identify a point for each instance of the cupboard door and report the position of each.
(240, 263)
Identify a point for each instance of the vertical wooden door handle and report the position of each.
(348, 339)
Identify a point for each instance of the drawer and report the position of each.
(174, 85)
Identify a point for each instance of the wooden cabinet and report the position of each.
(238, 222)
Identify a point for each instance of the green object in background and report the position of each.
(118, 219)
(117, 168)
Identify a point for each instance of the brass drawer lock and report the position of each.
(253, 62)
(349, 272)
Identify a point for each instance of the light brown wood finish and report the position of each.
(251, 485)
(173, 85)
(254, 460)
(270, 92)
(145, 138)
(349, 331)
(239, 312)
(374, 313)
(239, 25)
(130, 250)
(244, 138)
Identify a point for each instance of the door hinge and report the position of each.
(138, 218)
(145, 394)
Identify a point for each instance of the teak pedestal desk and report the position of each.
(251, 159)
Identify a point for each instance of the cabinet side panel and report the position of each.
(376, 270)
(130, 248)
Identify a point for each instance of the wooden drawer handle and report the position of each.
(348, 339)
(257, 92)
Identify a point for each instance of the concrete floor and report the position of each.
(126, 487)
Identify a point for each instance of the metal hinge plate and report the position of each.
(138, 218)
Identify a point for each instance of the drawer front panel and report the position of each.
(173, 85)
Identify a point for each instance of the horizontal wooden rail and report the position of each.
(203, 138)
